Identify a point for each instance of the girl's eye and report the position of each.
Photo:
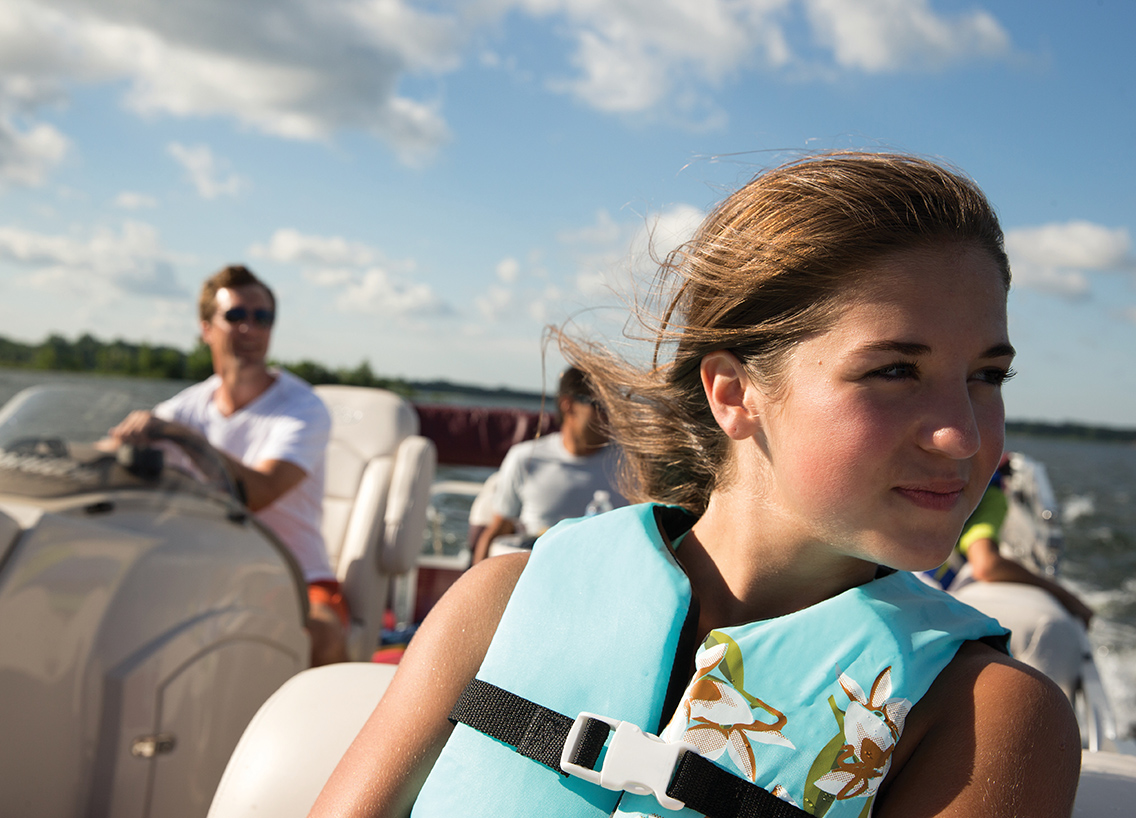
(994, 375)
(895, 372)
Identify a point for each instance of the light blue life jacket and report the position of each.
(602, 621)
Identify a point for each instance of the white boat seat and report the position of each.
(1108, 786)
(1043, 634)
(379, 472)
(291, 746)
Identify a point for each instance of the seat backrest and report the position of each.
(289, 749)
(367, 425)
(377, 491)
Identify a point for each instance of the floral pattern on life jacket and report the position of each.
(872, 726)
(727, 724)
(719, 715)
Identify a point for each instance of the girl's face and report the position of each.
(890, 423)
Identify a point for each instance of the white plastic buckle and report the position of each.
(635, 761)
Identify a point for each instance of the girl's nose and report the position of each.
(952, 426)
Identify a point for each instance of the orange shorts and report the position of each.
(327, 592)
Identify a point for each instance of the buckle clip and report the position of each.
(637, 762)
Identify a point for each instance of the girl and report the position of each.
(822, 414)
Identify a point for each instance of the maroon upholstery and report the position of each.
(479, 435)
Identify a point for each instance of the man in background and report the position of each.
(269, 428)
(557, 476)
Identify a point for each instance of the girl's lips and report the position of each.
(935, 500)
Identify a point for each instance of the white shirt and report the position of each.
(541, 484)
(286, 422)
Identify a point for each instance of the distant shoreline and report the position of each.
(89, 355)
(1070, 431)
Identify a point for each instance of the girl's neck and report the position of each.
(744, 569)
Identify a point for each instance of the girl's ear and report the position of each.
(733, 398)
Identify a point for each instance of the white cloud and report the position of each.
(291, 246)
(307, 69)
(668, 229)
(891, 35)
(131, 262)
(130, 200)
(603, 231)
(612, 257)
(495, 304)
(542, 311)
(329, 278)
(636, 55)
(508, 270)
(375, 292)
(639, 55)
(598, 268)
(352, 270)
(1059, 258)
(295, 68)
(27, 156)
(206, 172)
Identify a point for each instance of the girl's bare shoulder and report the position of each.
(991, 737)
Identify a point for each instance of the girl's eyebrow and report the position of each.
(912, 349)
(1000, 351)
(907, 348)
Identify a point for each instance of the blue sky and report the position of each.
(428, 184)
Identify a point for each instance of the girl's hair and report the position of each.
(771, 264)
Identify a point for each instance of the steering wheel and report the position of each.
(211, 468)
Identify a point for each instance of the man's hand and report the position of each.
(262, 483)
(140, 428)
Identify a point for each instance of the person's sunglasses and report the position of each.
(260, 317)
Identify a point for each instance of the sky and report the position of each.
(428, 185)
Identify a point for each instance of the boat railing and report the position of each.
(1098, 725)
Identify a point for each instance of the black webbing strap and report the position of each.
(540, 734)
(705, 787)
(534, 731)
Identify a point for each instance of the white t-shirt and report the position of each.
(541, 484)
(286, 422)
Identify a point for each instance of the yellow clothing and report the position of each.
(987, 519)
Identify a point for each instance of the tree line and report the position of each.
(89, 354)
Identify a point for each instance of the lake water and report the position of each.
(1095, 484)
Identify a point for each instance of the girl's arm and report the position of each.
(384, 768)
(992, 737)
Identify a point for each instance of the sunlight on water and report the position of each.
(1076, 507)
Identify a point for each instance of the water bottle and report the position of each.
(600, 502)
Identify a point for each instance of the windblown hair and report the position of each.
(773, 263)
(235, 275)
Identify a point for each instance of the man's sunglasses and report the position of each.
(239, 315)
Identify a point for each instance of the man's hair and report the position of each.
(231, 277)
(573, 382)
